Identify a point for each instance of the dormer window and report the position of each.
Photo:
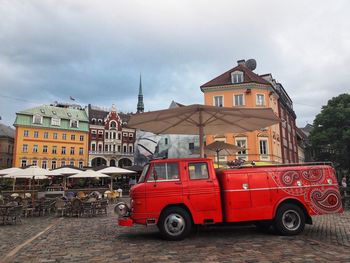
(55, 121)
(38, 119)
(74, 124)
(237, 77)
(112, 125)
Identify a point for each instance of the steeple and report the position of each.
(140, 106)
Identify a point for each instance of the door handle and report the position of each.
(178, 183)
(209, 181)
(245, 186)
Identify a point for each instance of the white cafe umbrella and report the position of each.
(9, 170)
(202, 120)
(89, 174)
(65, 171)
(112, 170)
(32, 172)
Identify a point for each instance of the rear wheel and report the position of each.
(290, 220)
(175, 223)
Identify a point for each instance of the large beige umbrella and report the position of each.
(112, 170)
(89, 174)
(203, 119)
(219, 146)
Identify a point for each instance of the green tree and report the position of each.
(330, 138)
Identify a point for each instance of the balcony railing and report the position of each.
(111, 153)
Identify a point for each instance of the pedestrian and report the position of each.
(344, 185)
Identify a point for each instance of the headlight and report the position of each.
(122, 209)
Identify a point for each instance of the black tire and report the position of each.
(175, 223)
(289, 220)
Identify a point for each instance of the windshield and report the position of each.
(143, 175)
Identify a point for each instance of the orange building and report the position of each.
(51, 137)
(241, 87)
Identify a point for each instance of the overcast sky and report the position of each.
(95, 51)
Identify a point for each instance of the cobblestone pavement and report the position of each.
(98, 239)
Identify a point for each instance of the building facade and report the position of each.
(7, 138)
(51, 136)
(111, 142)
(241, 87)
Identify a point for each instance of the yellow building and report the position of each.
(51, 137)
(241, 87)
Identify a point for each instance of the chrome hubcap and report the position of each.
(174, 224)
(291, 220)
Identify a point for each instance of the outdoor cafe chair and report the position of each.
(88, 208)
(13, 214)
(28, 208)
(46, 205)
(76, 207)
(101, 207)
(60, 206)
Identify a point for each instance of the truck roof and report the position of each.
(163, 160)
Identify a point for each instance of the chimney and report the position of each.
(241, 62)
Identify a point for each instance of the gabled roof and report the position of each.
(59, 112)
(225, 78)
(6, 131)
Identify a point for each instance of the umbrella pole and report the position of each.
(217, 156)
(13, 184)
(201, 134)
(111, 187)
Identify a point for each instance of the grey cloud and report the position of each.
(95, 51)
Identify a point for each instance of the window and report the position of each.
(64, 136)
(63, 163)
(237, 77)
(124, 148)
(81, 138)
(198, 171)
(25, 133)
(37, 119)
(239, 100)
(45, 149)
(55, 121)
(130, 149)
(81, 150)
(63, 150)
(72, 137)
(113, 125)
(166, 141)
(46, 135)
(106, 148)
(218, 101)
(23, 163)
(71, 150)
(242, 143)
(119, 136)
(36, 134)
(74, 123)
(107, 133)
(55, 136)
(54, 149)
(35, 148)
(25, 148)
(260, 99)
(81, 164)
(191, 146)
(119, 148)
(71, 163)
(114, 135)
(44, 164)
(35, 162)
(53, 164)
(263, 147)
(93, 147)
(165, 172)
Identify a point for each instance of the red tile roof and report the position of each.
(225, 78)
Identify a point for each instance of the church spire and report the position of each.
(140, 106)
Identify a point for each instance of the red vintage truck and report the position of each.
(177, 194)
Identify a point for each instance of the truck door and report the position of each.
(200, 187)
(163, 187)
(260, 195)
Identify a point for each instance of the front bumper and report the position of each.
(125, 221)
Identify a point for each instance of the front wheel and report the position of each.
(175, 223)
(290, 220)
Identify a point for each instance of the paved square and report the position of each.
(99, 239)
